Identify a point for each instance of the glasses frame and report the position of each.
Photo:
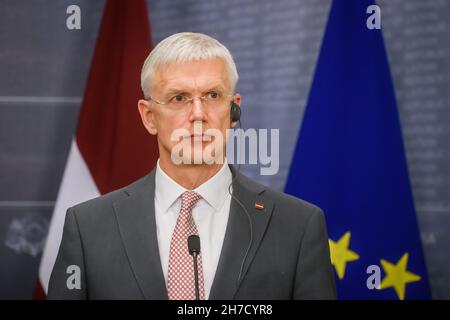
(190, 101)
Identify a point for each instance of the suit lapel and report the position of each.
(136, 219)
(238, 236)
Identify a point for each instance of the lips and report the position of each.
(201, 137)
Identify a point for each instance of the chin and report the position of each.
(197, 158)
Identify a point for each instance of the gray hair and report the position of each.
(183, 47)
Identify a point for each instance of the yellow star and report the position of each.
(397, 276)
(341, 254)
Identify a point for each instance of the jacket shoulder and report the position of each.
(285, 204)
(97, 207)
(295, 204)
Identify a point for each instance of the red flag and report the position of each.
(111, 148)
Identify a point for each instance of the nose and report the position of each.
(197, 110)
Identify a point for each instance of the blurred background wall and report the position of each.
(44, 66)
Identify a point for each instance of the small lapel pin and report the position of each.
(259, 206)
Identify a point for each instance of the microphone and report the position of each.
(194, 250)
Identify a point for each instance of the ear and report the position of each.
(147, 116)
(237, 99)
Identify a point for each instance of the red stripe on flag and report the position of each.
(110, 135)
(39, 293)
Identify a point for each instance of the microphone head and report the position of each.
(194, 244)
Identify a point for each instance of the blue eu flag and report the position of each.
(350, 161)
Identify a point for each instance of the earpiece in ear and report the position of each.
(235, 112)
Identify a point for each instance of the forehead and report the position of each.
(191, 75)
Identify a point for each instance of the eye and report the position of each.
(212, 95)
(178, 98)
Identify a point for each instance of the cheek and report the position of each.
(166, 122)
(221, 120)
(222, 123)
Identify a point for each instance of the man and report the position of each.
(256, 243)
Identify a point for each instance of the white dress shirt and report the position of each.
(210, 215)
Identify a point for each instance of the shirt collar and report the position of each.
(214, 191)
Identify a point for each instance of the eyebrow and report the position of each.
(174, 91)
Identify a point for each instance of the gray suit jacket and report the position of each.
(112, 239)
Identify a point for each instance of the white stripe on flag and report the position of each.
(77, 186)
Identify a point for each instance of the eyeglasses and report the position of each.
(178, 102)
